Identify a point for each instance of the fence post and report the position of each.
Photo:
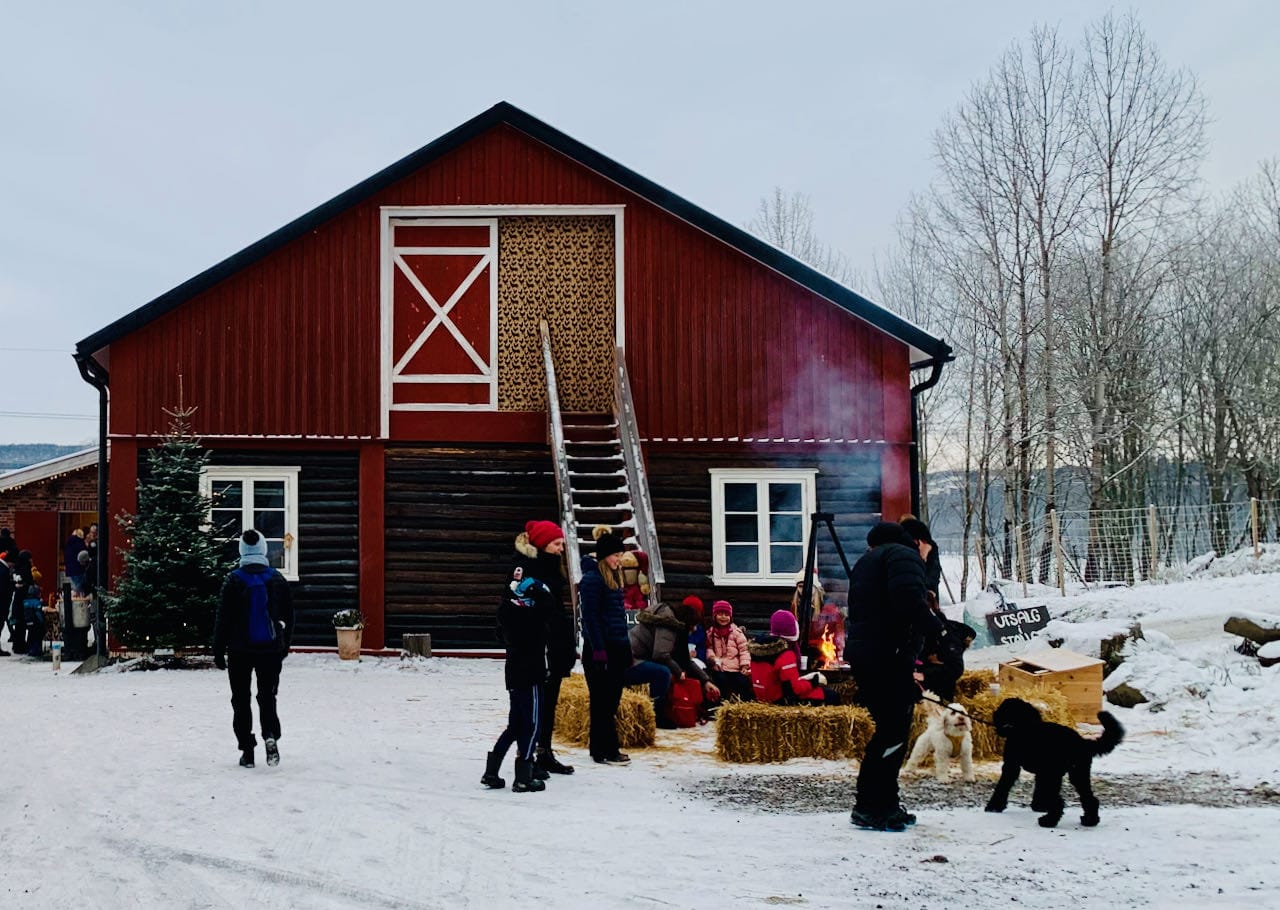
(1057, 552)
(1153, 536)
(1253, 521)
(1022, 562)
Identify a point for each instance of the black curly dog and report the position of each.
(1050, 752)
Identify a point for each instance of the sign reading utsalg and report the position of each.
(1017, 623)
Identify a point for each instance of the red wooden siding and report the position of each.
(718, 346)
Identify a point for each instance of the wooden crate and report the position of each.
(1079, 678)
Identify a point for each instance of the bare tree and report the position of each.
(786, 221)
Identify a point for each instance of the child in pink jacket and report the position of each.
(728, 659)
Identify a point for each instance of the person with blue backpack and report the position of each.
(251, 636)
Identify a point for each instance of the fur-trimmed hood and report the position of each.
(660, 616)
(767, 648)
(524, 547)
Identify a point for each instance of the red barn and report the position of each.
(372, 382)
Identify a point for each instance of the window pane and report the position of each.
(227, 494)
(741, 560)
(225, 522)
(271, 524)
(275, 553)
(268, 494)
(786, 529)
(740, 497)
(786, 558)
(741, 529)
(785, 497)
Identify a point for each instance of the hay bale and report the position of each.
(987, 746)
(750, 732)
(974, 682)
(637, 725)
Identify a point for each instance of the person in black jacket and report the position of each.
(6, 596)
(889, 619)
(526, 607)
(540, 555)
(251, 635)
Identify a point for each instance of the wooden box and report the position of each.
(1079, 678)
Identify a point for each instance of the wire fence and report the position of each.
(1120, 546)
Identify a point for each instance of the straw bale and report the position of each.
(972, 682)
(637, 725)
(750, 732)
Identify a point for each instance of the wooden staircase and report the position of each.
(598, 486)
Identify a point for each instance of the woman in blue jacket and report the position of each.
(607, 648)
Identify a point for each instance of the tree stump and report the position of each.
(417, 644)
(1247, 628)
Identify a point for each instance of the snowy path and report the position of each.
(132, 798)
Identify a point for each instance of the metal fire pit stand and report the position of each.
(804, 611)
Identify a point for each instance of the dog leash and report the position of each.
(941, 703)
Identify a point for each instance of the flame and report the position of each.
(827, 649)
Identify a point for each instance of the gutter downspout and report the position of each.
(934, 376)
(97, 377)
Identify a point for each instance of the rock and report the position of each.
(1126, 696)
(1247, 628)
(1111, 650)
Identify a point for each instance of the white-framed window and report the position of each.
(760, 524)
(265, 498)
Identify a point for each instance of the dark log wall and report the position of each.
(452, 515)
(328, 534)
(848, 484)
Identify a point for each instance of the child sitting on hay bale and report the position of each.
(775, 667)
(728, 653)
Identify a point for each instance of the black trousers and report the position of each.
(241, 668)
(891, 709)
(734, 683)
(522, 723)
(604, 687)
(547, 710)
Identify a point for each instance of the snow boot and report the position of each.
(491, 779)
(547, 761)
(273, 753)
(246, 758)
(525, 781)
(870, 822)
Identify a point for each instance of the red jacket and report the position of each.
(775, 672)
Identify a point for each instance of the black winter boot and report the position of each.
(491, 779)
(547, 761)
(525, 781)
(246, 758)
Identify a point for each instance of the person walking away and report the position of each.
(728, 653)
(251, 635)
(604, 632)
(523, 614)
(889, 619)
(775, 667)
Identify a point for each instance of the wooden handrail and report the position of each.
(633, 456)
(563, 484)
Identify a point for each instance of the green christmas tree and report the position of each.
(168, 593)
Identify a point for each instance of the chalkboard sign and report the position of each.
(1017, 623)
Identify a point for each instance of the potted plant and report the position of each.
(349, 624)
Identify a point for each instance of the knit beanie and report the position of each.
(607, 544)
(723, 606)
(888, 532)
(543, 533)
(917, 529)
(253, 548)
(783, 624)
(694, 602)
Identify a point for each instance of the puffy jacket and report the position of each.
(560, 638)
(775, 672)
(231, 624)
(523, 611)
(604, 619)
(660, 637)
(731, 652)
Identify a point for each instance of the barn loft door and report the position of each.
(441, 327)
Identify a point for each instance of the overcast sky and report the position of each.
(145, 141)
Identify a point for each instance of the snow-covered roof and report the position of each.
(47, 470)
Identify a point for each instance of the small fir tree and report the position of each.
(168, 593)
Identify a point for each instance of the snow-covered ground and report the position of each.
(122, 789)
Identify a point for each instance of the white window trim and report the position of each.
(806, 477)
(254, 473)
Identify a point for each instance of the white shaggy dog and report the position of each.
(948, 726)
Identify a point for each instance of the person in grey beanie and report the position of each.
(251, 635)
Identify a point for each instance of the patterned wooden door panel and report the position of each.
(442, 279)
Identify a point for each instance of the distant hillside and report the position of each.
(14, 457)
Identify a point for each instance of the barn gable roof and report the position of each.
(932, 350)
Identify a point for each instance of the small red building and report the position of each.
(43, 503)
(372, 382)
